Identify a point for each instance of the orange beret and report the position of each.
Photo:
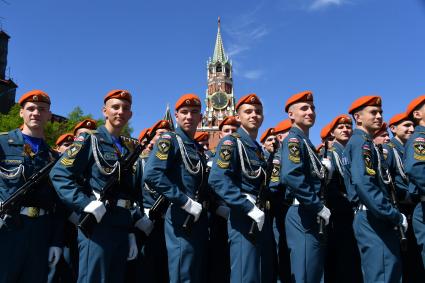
(86, 124)
(118, 94)
(143, 134)
(299, 97)
(325, 132)
(188, 100)
(230, 120)
(161, 124)
(397, 118)
(381, 130)
(65, 138)
(283, 126)
(34, 96)
(251, 98)
(369, 100)
(266, 134)
(341, 119)
(201, 136)
(415, 104)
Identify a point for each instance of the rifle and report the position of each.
(88, 220)
(259, 202)
(322, 195)
(388, 180)
(10, 203)
(190, 219)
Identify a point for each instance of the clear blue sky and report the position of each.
(340, 49)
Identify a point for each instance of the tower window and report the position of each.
(219, 68)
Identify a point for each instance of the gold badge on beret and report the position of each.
(35, 98)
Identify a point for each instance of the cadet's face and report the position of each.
(303, 114)
(227, 130)
(35, 114)
(382, 138)
(81, 130)
(403, 130)
(370, 118)
(342, 132)
(269, 142)
(117, 112)
(64, 146)
(250, 116)
(188, 118)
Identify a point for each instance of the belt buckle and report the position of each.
(33, 212)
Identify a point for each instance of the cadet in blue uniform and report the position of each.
(340, 241)
(268, 140)
(79, 177)
(176, 169)
(382, 136)
(31, 236)
(376, 218)
(236, 176)
(153, 253)
(219, 257)
(414, 162)
(402, 128)
(280, 206)
(301, 173)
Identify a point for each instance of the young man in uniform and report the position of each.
(87, 125)
(340, 238)
(376, 218)
(79, 178)
(31, 235)
(268, 140)
(64, 142)
(153, 253)
(414, 162)
(280, 206)
(237, 174)
(302, 173)
(176, 169)
(382, 136)
(402, 128)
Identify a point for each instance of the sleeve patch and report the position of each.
(419, 147)
(73, 150)
(294, 151)
(223, 165)
(293, 140)
(367, 157)
(228, 142)
(163, 149)
(166, 136)
(67, 162)
(225, 153)
(420, 139)
(275, 173)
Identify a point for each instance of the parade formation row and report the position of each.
(101, 207)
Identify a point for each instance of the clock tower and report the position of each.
(219, 99)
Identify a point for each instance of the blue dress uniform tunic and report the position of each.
(82, 172)
(413, 271)
(25, 238)
(341, 242)
(153, 254)
(176, 169)
(279, 208)
(234, 178)
(374, 222)
(414, 162)
(301, 173)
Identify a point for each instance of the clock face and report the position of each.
(219, 100)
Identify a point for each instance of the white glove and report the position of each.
(223, 211)
(1, 223)
(325, 213)
(97, 208)
(258, 216)
(132, 247)
(328, 165)
(405, 224)
(54, 255)
(193, 207)
(74, 218)
(144, 224)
